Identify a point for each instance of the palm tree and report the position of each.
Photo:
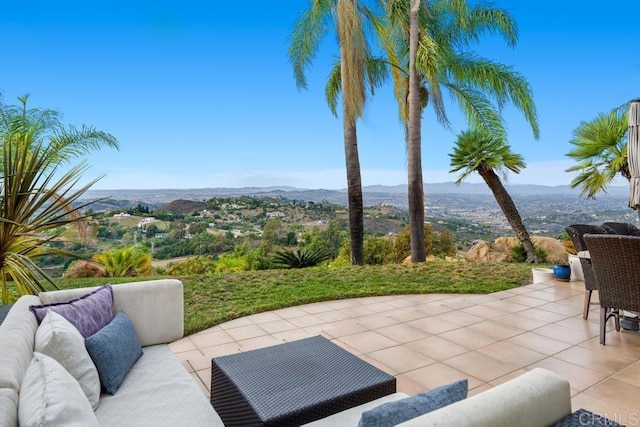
(600, 148)
(478, 151)
(36, 198)
(131, 261)
(444, 60)
(353, 74)
(33, 205)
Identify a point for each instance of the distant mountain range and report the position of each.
(373, 194)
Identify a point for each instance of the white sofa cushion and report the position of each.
(536, 398)
(155, 307)
(157, 391)
(58, 338)
(350, 417)
(50, 396)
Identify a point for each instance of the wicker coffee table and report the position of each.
(293, 383)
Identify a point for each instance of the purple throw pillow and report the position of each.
(89, 313)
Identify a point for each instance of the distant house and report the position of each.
(275, 215)
(121, 214)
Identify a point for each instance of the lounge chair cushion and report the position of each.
(114, 349)
(392, 413)
(89, 313)
(58, 338)
(51, 396)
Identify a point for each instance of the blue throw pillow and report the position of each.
(114, 349)
(392, 413)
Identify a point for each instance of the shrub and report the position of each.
(378, 251)
(193, 265)
(230, 263)
(302, 258)
(126, 262)
(520, 255)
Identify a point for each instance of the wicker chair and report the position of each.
(623, 228)
(575, 232)
(617, 270)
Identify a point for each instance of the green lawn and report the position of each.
(212, 299)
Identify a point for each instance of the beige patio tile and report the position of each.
(580, 378)
(495, 329)
(509, 307)
(511, 353)
(437, 348)
(318, 307)
(381, 307)
(307, 320)
(545, 316)
(539, 343)
(624, 394)
(246, 332)
(277, 326)
(268, 316)
(562, 333)
(368, 341)
(375, 321)
(438, 374)
(201, 384)
(378, 364)
(187, 365)
(187, 355)
(566, 310)
(357, 311)
(594, 360)
(220, 350)
(211, 339)
(200, 363)
(402, 333)
(333, 316)
(205, 377)
(347, 347)
(404, 384)
(405, 315)
(292, 335)
(401, 358)
(468, 338)
(508, 377)
(236, 323)
(258, 342)
(484, 311)
(433, 325)
(609, 408)
(578, 323)
(525, 300)
(477, 390)
(346, 328)
(481, 366)
(432, 308)
(461, 318)
(183, 344)
(630, 374)
(521, 321)
(406, 301)
(291, 312)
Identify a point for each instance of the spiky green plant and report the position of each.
(34, 205)
(305, 257)
(125, 262)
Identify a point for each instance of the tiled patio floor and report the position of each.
(430, 340)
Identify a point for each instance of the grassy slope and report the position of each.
(213, 299)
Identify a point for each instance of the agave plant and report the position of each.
(305, 257)
(34, 205)
(125, 262)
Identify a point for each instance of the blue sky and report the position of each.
(201, 94)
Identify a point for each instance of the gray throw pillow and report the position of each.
(392, 413)
(114, 349)
(88, 313)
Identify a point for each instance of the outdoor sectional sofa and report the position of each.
(158, 391)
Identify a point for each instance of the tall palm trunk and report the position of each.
(414, 149)
(354, 192)
(353, 97)
(510, 211)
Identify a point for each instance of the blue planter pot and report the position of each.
(562, 272)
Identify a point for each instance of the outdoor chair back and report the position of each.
(615, 264)
(623, 228)
(576, 233)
